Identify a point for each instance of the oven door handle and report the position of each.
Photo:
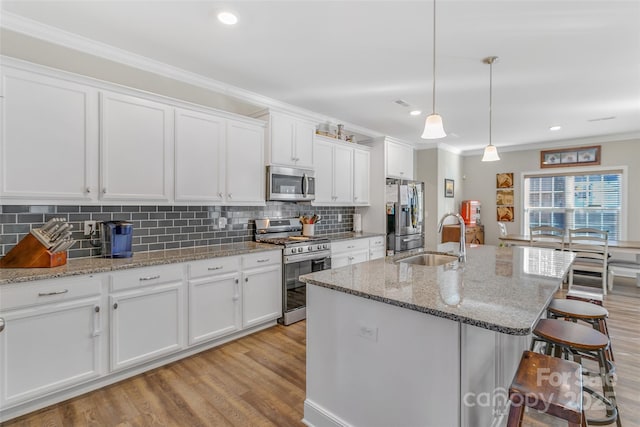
(306, 257)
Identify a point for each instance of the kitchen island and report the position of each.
(395, 343)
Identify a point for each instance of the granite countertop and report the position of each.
(79, 266)
(349, 235)
(500, 289)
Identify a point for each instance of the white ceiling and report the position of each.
(563, 62)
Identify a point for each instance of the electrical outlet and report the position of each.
(89, 227)
(368, 332)
(222, 222)
(339, 217)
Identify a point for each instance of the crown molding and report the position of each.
(19, 24)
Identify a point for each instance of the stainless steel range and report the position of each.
(301, 255)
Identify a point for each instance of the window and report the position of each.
(587, 199)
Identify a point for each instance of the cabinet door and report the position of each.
(343, 174)
(361, 177)
(399, 161)
(304, 136)
(48, 348)
(245, 170)
(214, 307)
(48, 138)
(282, 140)
(199, 157)
(146, 323)
(323, 165)
(261, 295)
(135, 148)
(359, 256)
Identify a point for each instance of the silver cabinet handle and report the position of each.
(115, 305)
(104, 190)
(350, 247)
(230, 195)
(351, 258)
(88, 190)
(246, 279)
(236, 292)
(150, 277)
(1, 324)
(96, 321)
(220, 267)
(46, 294)
(264, 260)
(220, 195)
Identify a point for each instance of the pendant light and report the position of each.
(433, 128)
(490, 151)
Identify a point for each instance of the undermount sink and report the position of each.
(429, 260)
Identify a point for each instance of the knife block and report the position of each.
(30, 253)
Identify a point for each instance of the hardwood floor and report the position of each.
(259, 380)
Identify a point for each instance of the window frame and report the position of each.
(623, 170)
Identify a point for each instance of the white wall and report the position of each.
(480, 183)
(433, 166)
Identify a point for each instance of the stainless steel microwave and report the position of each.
(290, 184)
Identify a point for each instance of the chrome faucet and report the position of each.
(462, 255)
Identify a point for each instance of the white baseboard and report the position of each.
(316, 416)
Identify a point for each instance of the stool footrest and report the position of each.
(612, 411)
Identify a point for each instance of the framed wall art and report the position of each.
(448, 187)
(566, 157)
(504, 180)
(504, 197)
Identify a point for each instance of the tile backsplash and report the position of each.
(164, 227)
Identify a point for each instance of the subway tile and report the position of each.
(15, 209)
(148, 208)
(16, 228)
(165, 223)
(8, 218)
(157, 231)
(78, 217)
(31, 218)
(101, 216)
(6, 239)
(149, 239)
(149, 224)
(172, 215)
(172, 230)
(131, 209)
(157, 215)
(140, 248)
(187, 244)
(140, 216)
(156, 247)
(172, 245)
(165, 208)
(90, 208)
(112, 209)
(180, 222)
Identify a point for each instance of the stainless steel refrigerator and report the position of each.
(405, 214)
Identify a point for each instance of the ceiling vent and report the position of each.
(402, 102)
(600, 119)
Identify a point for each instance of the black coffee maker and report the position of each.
(116, 239)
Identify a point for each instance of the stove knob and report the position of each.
(300, 249)
(325, 246)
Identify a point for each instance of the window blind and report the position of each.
(565, 200)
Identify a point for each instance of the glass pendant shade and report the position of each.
(490, 154)
(433, 128)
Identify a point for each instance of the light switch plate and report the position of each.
(89, 227)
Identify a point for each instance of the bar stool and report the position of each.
(579, 310)
(547, 384)
(568, 338)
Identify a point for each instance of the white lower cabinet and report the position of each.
(146, 315)
(377, 247)
(52, 337)
(261, 288)
(215, 305)
(348, 252)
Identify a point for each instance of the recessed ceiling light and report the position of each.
(415, 112)
(554, 128)
(227, 18)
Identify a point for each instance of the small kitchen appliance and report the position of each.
(116, 239)
(300, 255)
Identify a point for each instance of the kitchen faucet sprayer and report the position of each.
(462, 254)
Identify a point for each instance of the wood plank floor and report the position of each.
(259, 380)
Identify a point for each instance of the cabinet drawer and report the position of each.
(376, 253)
(47, 291)
(261, 259)
(376, 242)
(349, 245)
(146, 276)
(213, 266)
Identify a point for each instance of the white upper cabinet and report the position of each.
(199, 157)
(399, 159)
(135, 148)
(48, 140)
(361, 164)
(342, 173)
(245, 170)
(290, 140)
